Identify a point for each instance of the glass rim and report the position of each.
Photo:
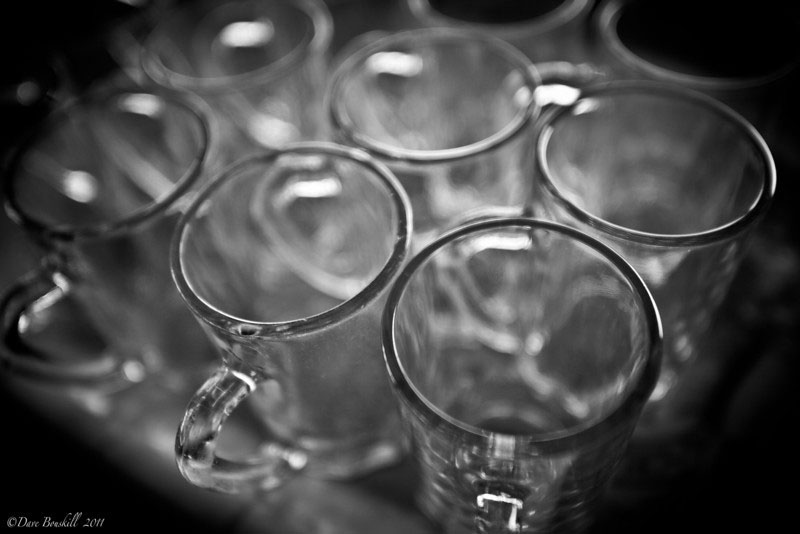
(344, 125)
(606, 21)
(320, 38)
(197, 112)
(736, 225)
(554, 440)
(302, 325)
(563, 13)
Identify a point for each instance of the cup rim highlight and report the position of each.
(316, 12)
(343, 123)
(552, 441)
(61, 232)
(614, 89)
(303, 325)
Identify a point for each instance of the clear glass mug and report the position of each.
(677, 183)
(286, 260)
(450, 111)
(521, 352)
(261, 65)
(731, 52)
(551, 31)
(99, 186)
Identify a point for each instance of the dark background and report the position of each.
(750, 485)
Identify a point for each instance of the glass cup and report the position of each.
(521, 352)
(99, 186)
(736, 54)
(555, 30)
(451, 112)
(677, 183)
(260, 65)
(286, 260)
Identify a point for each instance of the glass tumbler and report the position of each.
(729, 51)
(546, 31)
(672, 179)
(261, 66)
(99, 186)
(286, 260)
(521, 352)
(450, 111)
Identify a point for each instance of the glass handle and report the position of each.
(28, 304)
(196, 443)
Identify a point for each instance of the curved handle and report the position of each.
(196, 442)
(30, 303)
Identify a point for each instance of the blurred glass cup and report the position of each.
(521, 352)
(672, 179)
(737, 54)
(261, 65)
(451, 112)
(99, 185)
(550, 30)
(286, 260)
(676, 182)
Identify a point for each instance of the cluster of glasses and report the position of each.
(497, 247)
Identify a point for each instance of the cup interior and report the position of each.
(432, 90)
(105, 160)
(655, 161)
(712, 44)
(201, 43)
(521, 330)
(291, 235)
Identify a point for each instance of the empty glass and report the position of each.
(676, 182)
(261, 66)
(286, 260)
(553, 30)
(100, 185)
(732, 52)
(521, 352)
(450, 111)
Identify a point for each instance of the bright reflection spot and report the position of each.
(133, 371)
(397, 63)
(586, 105)
(28, 92)
(522, 96)
(80, 186)
(142, 104)
(247, 34)
(557, 94)
(319, 188)
(534, 343)
(498, 242)
(271, 131)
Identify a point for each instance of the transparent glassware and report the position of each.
(261, 66)
(451, 112)
(286, 261)
(676, 182)
(99, 186)
(555, 30)
(736, 54)
(521, 352)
